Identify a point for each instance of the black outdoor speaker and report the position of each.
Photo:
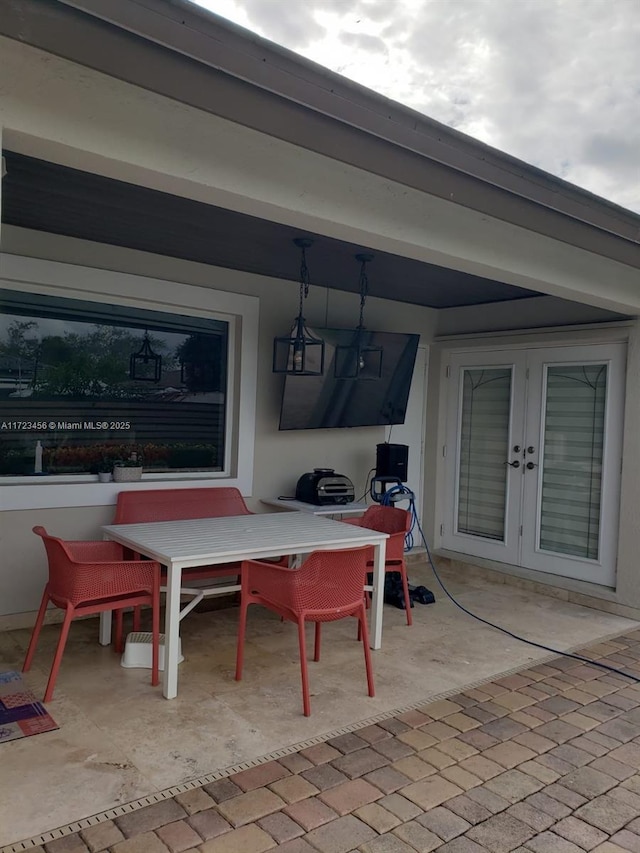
(392, 460)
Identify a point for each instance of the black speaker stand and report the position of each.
(379, 486)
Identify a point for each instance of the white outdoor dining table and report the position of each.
(180, 545)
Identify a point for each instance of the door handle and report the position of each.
(514, 464)
(530, 466)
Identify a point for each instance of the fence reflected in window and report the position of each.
(95, 383)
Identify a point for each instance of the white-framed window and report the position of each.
(99, 366)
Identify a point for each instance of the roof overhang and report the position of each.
(178, 50)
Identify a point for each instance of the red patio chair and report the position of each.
(396, 522)
(91, 577)
(329, 585)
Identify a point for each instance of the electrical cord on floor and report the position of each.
(406, 494)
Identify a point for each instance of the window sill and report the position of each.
(49, 492)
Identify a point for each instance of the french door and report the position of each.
(533, 457)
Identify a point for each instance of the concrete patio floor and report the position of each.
(370, 773)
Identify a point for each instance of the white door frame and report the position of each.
(518, 547)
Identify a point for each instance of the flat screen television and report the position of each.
(325, 402)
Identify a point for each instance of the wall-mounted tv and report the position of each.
(324, 402)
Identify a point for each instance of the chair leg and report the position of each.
(242, 627)
(118, 646)
(35, 634)
(306, 702)
(316, 645)
(62, 641)
(362, 619)
(405, 589)
(137, 615)
(367, 602)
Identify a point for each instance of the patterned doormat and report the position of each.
(21, 714)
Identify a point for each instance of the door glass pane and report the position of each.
(484, 449)
(573, 445)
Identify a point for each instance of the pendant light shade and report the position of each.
(145, 365)
(361, 359)
(301, 353)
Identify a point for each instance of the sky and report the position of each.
(555, 83)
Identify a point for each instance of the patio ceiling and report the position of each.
(45, 196)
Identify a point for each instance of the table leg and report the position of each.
(106, 618)
(172, 632)
(104, 636)
(377, 600)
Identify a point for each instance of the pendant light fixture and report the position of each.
(301, 353)
(145, 365)
(361, 359)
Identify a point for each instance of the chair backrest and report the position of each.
(327, 580)
(61, 578)
(392, 520)
(137, 507)
(386, 519)
(83, 571)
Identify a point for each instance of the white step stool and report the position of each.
(137, 651)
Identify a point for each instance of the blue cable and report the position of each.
(392, 496)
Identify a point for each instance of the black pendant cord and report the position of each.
(304, 280)
(364, 286)
(364, 292)
(304, 292)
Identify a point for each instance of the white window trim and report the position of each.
(52, 278)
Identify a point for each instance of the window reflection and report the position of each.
(66, 381)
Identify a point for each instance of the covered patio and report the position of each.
(160, 161)
(492, 263)
(121, 747)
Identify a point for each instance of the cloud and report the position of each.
(285, 23)
(373, 44)
(552, 82)
(601, 149)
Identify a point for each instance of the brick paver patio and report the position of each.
(544, 761)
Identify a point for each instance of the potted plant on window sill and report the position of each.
(127, 470)
(104, 468)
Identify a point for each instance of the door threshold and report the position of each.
(566, 589)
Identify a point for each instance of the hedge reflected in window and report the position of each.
(95, 384)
